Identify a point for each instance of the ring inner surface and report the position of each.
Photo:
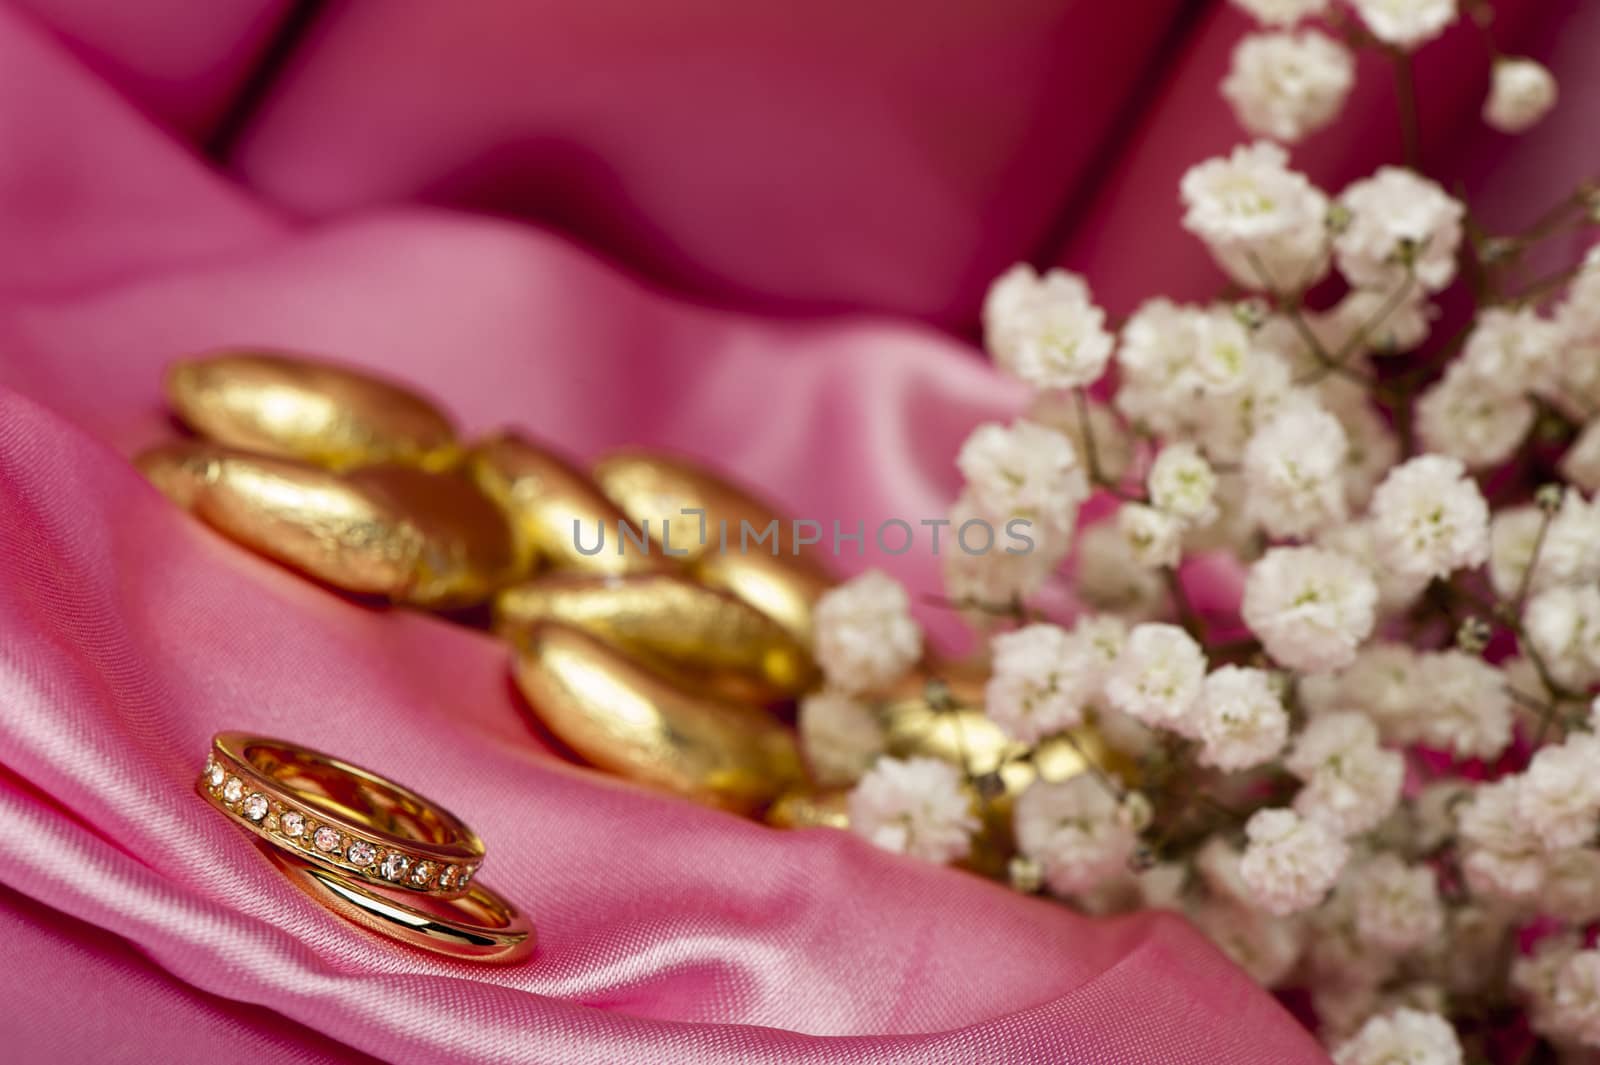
(340, 792)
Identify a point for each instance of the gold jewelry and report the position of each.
(339, 815)
(493, 929)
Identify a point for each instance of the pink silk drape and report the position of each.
(674, 189)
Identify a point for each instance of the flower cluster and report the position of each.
(1368, 763)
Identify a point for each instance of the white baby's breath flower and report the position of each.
(1223, 425)
(1310, 608)
(1534, 976)
(1521, 93)
(1578, 313)
(997, 575)
(1429, 518)
(1076, 831)
(1109, 578)
(1261, 221)
(1288, 85)
(1155, 357)
(1043, 678)
(1571, 890)
(1570, 553)
(1397, 591)
(1383, 681)
(1046, 331)
(1336, 955)
(1463, 706)
(1024, 471)
(1154, 537)
(1242, 722)
(1513, 532)
(915, 806)
(1501, 858)
(1406, 23)
(1293, 467)
(1577, 997)
(865, 636)
(1183, 484)
(1403, 1037)
(1397, 905)
(1569, 550)
(841, 737)
(1398, 218)
(1100, 637)
(1351, 782)
(1563, 625)
(1558, 797)
(1221, 351)
(1157, 678)
(1371, 445)
(1281, 12)
(1459, 417)
(1289, 862)
(1172, 355)
(1513, 351)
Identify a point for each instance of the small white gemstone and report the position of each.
(394, 866)
(447, 879)
(361, 852)
(466, 875)
(255, 807)
(422, 874)
(292, 824)
(326, 839)
(233, 791)
(213, 774)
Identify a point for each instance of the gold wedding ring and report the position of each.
(372, 851)
(479, 925)
(339, 815)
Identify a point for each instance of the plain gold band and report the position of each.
(339, 815)
(490, 930)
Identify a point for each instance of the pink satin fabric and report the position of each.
(887, 159)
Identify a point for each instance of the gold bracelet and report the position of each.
(339, 815)
(492, 930)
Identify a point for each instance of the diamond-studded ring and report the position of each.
(340, 816)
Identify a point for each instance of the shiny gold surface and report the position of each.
(653, 488)
(478, 926)
(622, 717)
(418, 537)
(954, 728)
(180, 470)
(545, 494)
(670, 620)
(778, 587)
(359, 805)
(465, 547)
(811, 809)
(283, 405)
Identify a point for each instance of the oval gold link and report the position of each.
(669, 620)
(560, 515)
(748, 548)
(294, 407)
(622, 717)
